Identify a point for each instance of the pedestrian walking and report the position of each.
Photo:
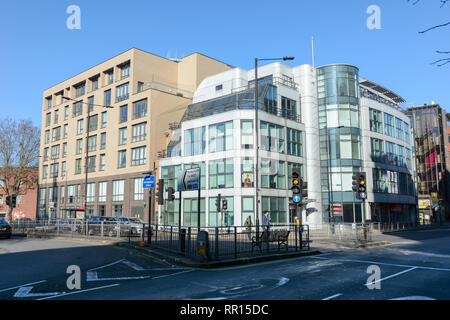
(266, 225)
(248, 227)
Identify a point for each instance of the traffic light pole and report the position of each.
(150, 205)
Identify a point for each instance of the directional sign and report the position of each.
(296, 198)
(149, 182)
(192, 179)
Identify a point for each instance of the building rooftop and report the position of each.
(376, 87)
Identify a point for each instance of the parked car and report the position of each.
(5, 229)
(95, 225)
(132, 225)
(68, 224)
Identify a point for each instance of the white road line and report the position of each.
(119, 261)
(79, 291)
(23, 285)
(391, 276)
(133, 265)
(385, 264)
(333, 296)
(172, 274)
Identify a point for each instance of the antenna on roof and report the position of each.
(312, 47)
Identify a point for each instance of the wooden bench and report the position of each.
(279, 236)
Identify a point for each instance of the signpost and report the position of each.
(149, 182)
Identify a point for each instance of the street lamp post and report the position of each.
(87, 151)
(257, 138)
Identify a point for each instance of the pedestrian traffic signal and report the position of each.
(170, 194)
(224, 204)
(218, 203)
(296, 185)
(160, 192)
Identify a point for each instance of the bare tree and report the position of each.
(19, 157)
(443, 61)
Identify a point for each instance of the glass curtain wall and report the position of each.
(340, 139)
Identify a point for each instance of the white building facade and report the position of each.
(308, 118)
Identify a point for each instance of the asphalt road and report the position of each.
(416, 266)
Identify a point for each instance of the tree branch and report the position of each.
(435, 27)
(447, 60)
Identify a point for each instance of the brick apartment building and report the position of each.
(26, 204)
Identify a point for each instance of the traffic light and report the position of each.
(160, 192)
(218, 202)
(296, 186)
(224, 204)
(13, 200)
(355, 185)
(170, 194)
(304, 188)
(362, 188)
(8, 201)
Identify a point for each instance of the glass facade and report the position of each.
(340, 138)
(432, 171)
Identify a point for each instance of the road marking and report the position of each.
(24, 292)
(133, 265)
(385, 264)
(333, 296)
(93, 276)
(282, 282)
(172, 274)
(391, 276)
(119, 261)
(24, 285)
(79, 291)
(413, 298)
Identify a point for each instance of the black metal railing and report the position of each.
(230, 242)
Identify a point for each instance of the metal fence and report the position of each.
(215, 243)
(81, 228)
(342, 231)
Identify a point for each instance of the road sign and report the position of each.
(191, 180)
(296, 198)
(149, 182)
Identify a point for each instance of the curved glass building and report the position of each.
(340, 140)
(328, 121)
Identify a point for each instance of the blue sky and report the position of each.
(39, 51)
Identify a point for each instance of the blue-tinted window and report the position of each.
(123, 114)
(140, 109)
